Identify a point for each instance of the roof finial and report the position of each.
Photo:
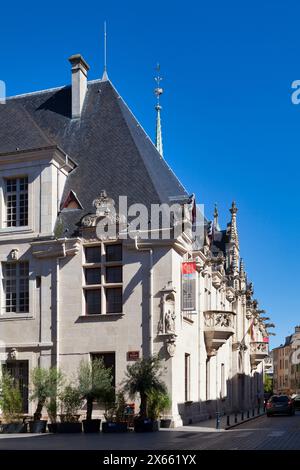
(216, 218)
(105, 76)
(233, 226)
(158, 91)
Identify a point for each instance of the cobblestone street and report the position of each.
(280, 433)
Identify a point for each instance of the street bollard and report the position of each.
(235, 418)
(258, 410)
(253, 412)
(218, 419)
(248, 414)
(228, 420)
(242, 417)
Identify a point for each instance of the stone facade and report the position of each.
(212, 357)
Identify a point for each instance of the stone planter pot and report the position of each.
(52, 427)
(69, 427)
(110, 427)
(165, 423)
(91, 425)
(38, 426)
(14, 428)
(146, 425)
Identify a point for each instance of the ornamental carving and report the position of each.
(171, 345)
(218, 319)
(105, 212)
(230, 295)
(167, 322)
(14, 254)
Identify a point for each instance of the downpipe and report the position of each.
(150, 316)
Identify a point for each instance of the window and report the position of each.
(93, 254)
(114, 300)
(207, 379)
(114, 274)
(93, 276)
(113, 253)
(93, 302)
(103, 279)
(16, 195)
(16, 287)
(223, 392)
(187, 368)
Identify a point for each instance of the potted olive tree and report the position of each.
(44, 383)
(143, 377)
(114, 414)
(158, 404)
(94, 381)
(71, 402)
(11, 405)
(55, 385)
(51, 407)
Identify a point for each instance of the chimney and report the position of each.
(79, 83)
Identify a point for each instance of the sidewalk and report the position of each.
(211, 424)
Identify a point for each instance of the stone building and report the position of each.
(70, 293)
(286, 360)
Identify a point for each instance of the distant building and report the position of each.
(286, 377)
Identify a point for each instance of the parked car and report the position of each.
(280, 404)
(296, 401)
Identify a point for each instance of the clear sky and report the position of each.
(230, 130)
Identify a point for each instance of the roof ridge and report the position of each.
(43, 133)
(47, 90)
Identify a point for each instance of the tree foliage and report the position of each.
(142, 377)
(268, 384)
(10, 397)
(94, 383)
(45, 384)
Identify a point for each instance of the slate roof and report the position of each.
(111, 149)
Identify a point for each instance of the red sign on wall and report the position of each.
(188, 286)
(189, 267)
(133, 355)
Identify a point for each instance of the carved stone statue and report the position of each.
(169, 321)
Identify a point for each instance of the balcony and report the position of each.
(258, 351)
(218, 327)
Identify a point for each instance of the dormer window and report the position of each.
(16, 198)
(71, 202)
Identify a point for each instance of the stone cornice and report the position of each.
(56, 248)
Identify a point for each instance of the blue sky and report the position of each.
(230, 130)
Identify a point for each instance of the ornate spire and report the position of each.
(233, 227)
(105, 76)
(216, 219)
(158, 91)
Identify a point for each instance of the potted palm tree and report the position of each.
(44, 384)
(94, 381)
(143, 377)
(71, 402)
(11, 405)
(158, 404)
